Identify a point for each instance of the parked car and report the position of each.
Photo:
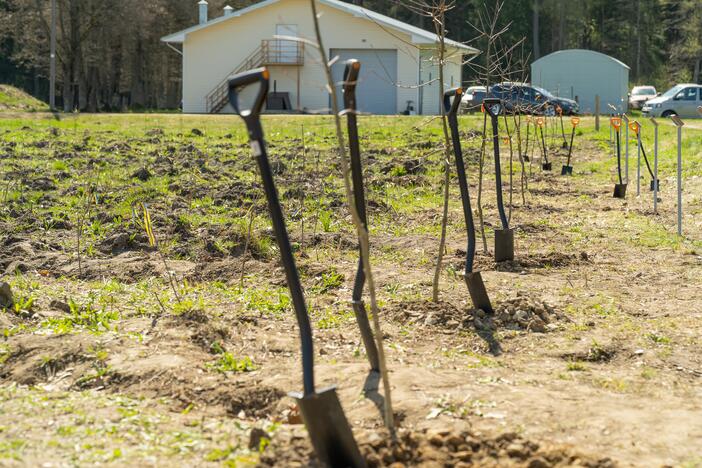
(568, 106)
(473, 98)
(528, 99)
(639, 95)
(681, 100)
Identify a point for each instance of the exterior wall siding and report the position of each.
(584, 74)
(430, 95)
(211, 54)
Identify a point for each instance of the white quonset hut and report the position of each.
(396, 57)
(581, 75)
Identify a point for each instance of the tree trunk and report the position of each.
(535, 27)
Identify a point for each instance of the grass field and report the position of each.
(119, 350)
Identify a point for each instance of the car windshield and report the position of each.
(543, 92)
(648, 91)
(673, 91)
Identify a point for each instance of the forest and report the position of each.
(110, 57)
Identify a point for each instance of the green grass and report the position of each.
(14, 99)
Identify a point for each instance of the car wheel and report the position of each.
(668, 113)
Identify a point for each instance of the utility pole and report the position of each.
(52, 73)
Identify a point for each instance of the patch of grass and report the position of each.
(576, 366)
(657, 338)
(86, 317)
(226, 362)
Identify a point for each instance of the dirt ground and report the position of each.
(120, 352)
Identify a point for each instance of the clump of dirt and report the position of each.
(548, 260)
(428, 448)
(524, 313)
(437, 314)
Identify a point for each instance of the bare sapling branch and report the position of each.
(360, 228)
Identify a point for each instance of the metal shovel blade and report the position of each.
(547, 166)
(656, 185)
(359, 310)
(329, 430)
(564, 145)
(478, 293)
(504, 245)
(526, 158)
(567, 170)
(620, 190)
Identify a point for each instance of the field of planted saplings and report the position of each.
(147, 317)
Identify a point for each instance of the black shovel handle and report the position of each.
(451, 108)
(252, 115)
(351, 73)
(489, 105)
(353, 67)
(570, 148)
(252, 118)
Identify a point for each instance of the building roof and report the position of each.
(561, 53)
(418, 35)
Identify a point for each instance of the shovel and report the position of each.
(473, 279)
(329, 431)
(568, 169)
(526, 148)
(620, 188)
(504, 238)
(636, 128)
(545, 165)
(559, 111)
(353, 68)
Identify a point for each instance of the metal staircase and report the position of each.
(271, 52)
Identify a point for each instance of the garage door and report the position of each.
(376, 92)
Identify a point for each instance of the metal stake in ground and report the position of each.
(655, 185)
(625, 118)
(504, 238)
(568, 169)
(324, 418)
(353, 67)
(620, 188)
(679, 124)
(473, 279)
(545, 165)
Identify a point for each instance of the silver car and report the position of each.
(681, 100)
(639, 95)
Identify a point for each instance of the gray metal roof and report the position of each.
(419, 36)
(559, 53)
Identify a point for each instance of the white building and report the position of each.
(582, 75)
(396, 57)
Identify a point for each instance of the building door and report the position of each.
(377, 84)
(286, 51)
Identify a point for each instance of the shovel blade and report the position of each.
(567, 170)
(504, 245)
(620, 190)
(656, 185)
(359, 310)
(526, 158)
(478, 293)
(329, 430)
(547, 166)
(564, 145)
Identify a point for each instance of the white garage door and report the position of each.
(376, 92)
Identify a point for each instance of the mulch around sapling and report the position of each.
(425, 448)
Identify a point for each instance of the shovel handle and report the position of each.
(451, 106)
(353, 67)
(242, 80)
(489, 103)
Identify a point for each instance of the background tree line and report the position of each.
(110, 57)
